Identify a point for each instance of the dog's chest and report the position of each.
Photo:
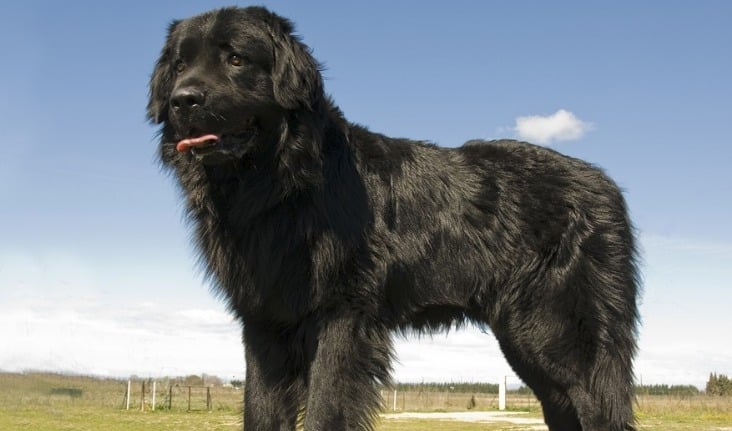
(263, 268)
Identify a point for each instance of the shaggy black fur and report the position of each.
(325, 238)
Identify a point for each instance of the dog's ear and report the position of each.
(297, 82)
(161, 81)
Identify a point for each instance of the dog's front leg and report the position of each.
(274, 387)
(352, 357)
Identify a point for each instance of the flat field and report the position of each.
(48, 402)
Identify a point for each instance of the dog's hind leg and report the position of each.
(574, 349)
(581, 385)
(559, 413)
(352, 356)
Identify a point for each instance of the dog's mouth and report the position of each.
(200, 143)
(216, 148)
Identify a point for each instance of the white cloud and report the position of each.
(61, 334)
(156, 339)
(465, 355)
(684, 312)
(559, 126)
(54, 317)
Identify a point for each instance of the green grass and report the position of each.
(422, 425)
(698, 412)
(47, 402)
(94, 419)
(40, 402)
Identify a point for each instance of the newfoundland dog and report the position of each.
(325, 238)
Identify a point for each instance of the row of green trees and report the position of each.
(666, 390)
(719, 384)
(475, 388)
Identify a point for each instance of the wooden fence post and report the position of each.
(208, 398)
(153, 398)
(189, 398)
(129, 393)
(142, 398)
(170, 397)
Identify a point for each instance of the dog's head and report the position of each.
(224, 82)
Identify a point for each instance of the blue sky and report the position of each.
(96, 271)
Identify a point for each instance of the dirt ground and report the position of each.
(517, 418)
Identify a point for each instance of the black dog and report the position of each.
(325, 238)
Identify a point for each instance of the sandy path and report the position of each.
(486, 417)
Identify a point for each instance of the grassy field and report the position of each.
(46, 402)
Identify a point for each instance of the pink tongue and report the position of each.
(186, 144)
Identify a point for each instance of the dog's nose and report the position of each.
(187, 98)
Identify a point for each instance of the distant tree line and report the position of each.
(491, 388)
(191, 380)
(476, 388)
(719, 384)
(666, 390)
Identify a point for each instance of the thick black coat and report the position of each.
(324, 238)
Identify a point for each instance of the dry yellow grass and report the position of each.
(29, 402)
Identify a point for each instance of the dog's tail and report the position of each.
(612, 379)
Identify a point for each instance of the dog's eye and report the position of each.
(235, 60)
(180, 66)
